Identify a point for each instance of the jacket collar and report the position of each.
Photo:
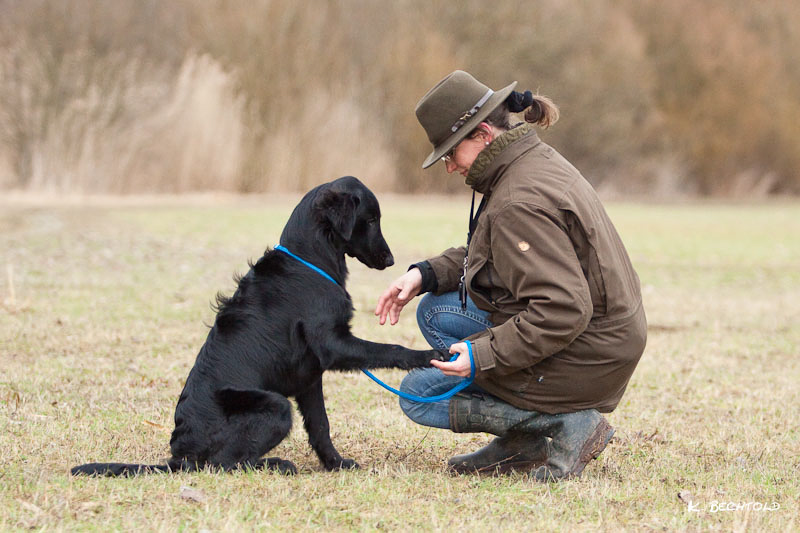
(493, 160)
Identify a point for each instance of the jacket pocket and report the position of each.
(590, 265)
(527, 377)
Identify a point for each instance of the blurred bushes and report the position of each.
(147, 96)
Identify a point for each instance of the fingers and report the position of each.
(394, 313)
(451, 368)
(460, 366)
(385, 304)
(405, 294)
(459, 348)
(389, 309)
(382, 300)
(444, 366)
(399, 293)
(391, 303)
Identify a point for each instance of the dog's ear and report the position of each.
(339, 210)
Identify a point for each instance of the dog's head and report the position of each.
(349, 212)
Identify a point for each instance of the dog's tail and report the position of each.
(118, 469)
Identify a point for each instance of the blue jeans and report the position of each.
(442, 322)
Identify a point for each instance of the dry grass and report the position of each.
(102, 309)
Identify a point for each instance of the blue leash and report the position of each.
(306, 263)
(466, 382)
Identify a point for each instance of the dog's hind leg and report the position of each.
(312, 406)
(256, 421)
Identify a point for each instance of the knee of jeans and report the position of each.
(409, 386)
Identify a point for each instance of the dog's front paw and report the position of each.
(342, 464)
(441, 355)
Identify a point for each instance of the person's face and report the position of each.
(461, 157)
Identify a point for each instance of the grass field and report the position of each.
(104, 304)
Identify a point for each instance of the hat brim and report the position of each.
(497, 98)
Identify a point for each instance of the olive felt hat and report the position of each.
(453, 108)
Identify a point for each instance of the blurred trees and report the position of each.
(146, 96)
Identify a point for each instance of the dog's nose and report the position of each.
(388, 260)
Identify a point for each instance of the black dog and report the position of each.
(283, 327)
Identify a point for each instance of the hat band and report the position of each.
(469, 114)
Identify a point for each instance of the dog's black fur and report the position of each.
(282, 328)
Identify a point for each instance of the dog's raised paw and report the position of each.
(442, 355)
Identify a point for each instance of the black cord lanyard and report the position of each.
(473, 223)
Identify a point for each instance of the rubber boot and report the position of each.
(550, 447)
(573, 439)
(520, 451)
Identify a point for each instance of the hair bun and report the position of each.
(519, 101)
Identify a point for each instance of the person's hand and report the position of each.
(400, 292)
(459, 367)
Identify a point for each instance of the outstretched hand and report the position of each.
(461, 366)
(400, 292)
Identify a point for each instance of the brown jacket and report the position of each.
(547, 264)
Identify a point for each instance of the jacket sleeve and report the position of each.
(536, 261)
(448, 267)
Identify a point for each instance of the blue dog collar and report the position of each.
(306, 263)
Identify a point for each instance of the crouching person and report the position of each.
(544, 292)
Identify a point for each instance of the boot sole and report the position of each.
(500, 469)
(509, 465)
(522, 467)
(594, 446)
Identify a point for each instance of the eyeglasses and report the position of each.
(448, 157)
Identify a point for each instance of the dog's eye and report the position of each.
(373, 220)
